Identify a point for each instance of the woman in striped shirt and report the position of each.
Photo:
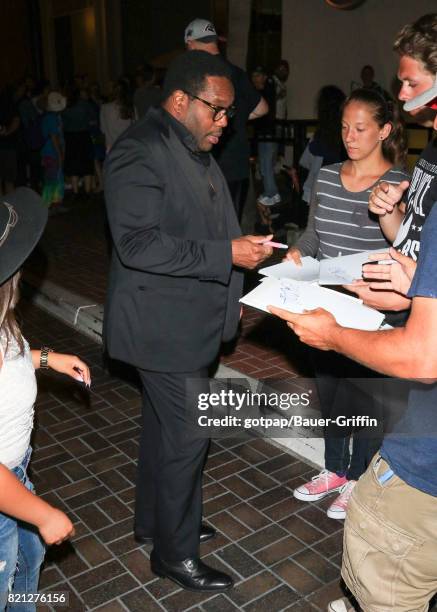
(340, 223)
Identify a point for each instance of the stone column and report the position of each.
(109, 45)
(48, 40)
(238, 31)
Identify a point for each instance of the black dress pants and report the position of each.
(171, 459)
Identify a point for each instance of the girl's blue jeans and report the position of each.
(21, 553)
(267, 155)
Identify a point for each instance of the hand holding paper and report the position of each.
(294, 255)
(343, 270)
(396, 277)
(379, 298)
(297, 296)
(315, 327)
(306, 270)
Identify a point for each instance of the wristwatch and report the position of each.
(44, 357)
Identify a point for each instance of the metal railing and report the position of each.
(296, 133)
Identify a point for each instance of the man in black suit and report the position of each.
(173, 295)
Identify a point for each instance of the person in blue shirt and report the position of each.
(52, 152)
(390, 541)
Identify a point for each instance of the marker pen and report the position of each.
(276, 245)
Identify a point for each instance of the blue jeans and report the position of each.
(338, 396)
(267, 155)
(21, 552)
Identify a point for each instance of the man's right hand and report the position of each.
(385, 196)
(248, 251)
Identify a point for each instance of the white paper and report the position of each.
(344, 270)
(297, 296)
(309, 271)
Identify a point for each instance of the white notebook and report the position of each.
(297, 296)
(308, 271)
(344, 270)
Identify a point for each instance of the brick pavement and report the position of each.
(284, 554)
(73, 250)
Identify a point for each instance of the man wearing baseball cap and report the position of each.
(201, 30)
(233, 152)
(390, 542)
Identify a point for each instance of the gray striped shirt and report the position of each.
(339, 222)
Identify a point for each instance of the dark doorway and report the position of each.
(265, 40)
(64, 48)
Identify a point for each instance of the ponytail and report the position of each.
(394, 147)
(384, 110)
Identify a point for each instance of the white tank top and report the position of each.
(17, 399)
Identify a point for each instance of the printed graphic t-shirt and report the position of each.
(411, 451)
(422, 193)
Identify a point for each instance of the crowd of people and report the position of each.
(176, 276)
(57, 139)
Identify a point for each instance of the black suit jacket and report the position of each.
(173, 293)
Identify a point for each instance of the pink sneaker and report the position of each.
(319, 486)
(337, 510)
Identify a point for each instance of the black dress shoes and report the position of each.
(191, 574)
(206, 533)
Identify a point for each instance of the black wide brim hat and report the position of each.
(23, 217)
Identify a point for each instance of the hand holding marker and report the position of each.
(276, 245)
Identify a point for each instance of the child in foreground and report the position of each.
(27, 522)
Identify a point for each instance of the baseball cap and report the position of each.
(200, 29)
(259, 70)
(56, 102)
(426, 98)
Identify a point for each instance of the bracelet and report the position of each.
(44, 357)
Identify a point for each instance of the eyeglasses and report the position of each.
(219, 111)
